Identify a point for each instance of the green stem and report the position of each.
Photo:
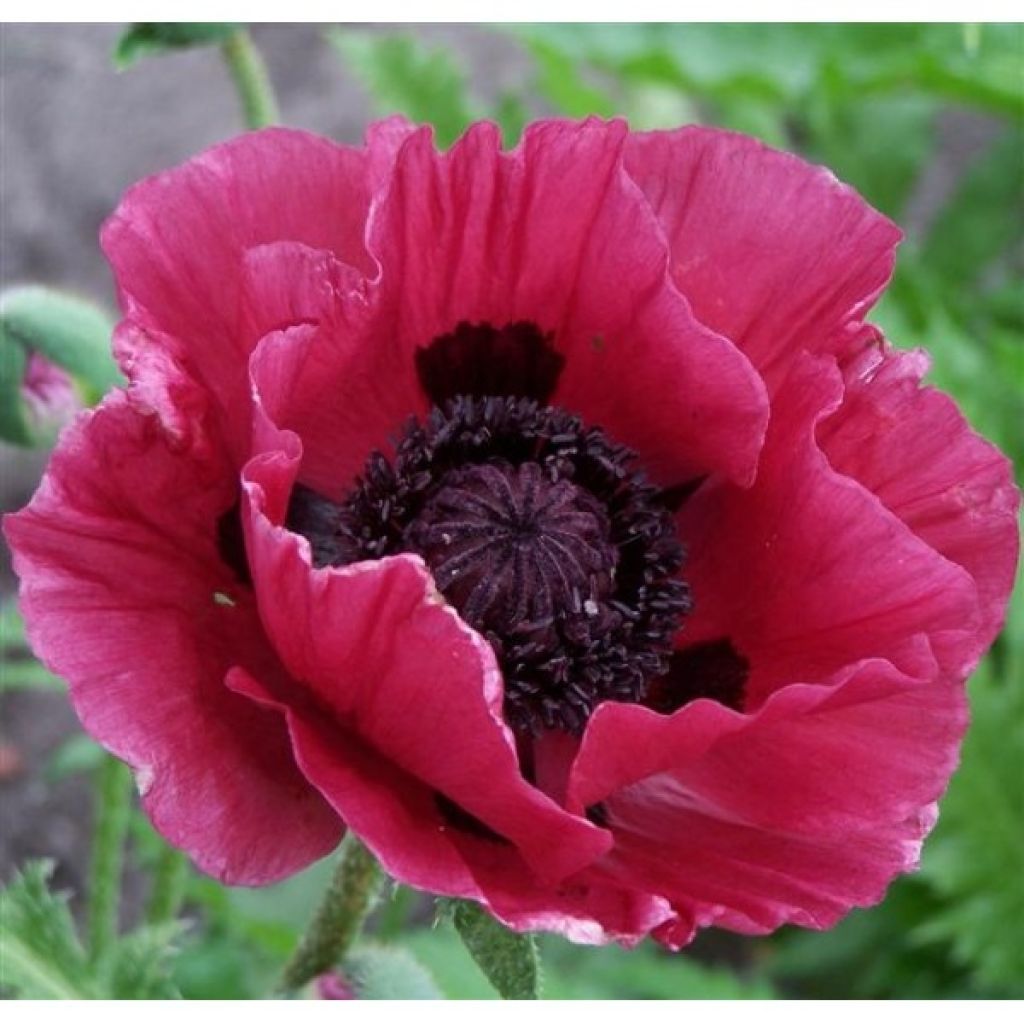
(249, 74)
(340, 916)
(113, 804)
(168, 886)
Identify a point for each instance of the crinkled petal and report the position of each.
(807, 571)
(553, 234)
(911, 447)
(126, 597)
(376, 645)
(317, 378)
(794, 814)
(178, 239)
(589, 907)
(393, 812)
(398, 817)
(771, 251)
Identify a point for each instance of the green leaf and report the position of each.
(561, 82)
(140, 964)
(18, 668)
(442, 951)
(846, 962)
(220, 966)
(974, 861)
(647, 972)
(40, 954)
(509, 959)
(512, 116)
(766, 63)
(71, 332)
(147, 39)
(27, 674)
(654, 106)
(880, 143)
(382, 972)
(989, 76)
(14, 424)
(977, 225)
(74, 756)
(12, 625)
(402, 75)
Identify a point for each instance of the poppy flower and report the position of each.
(552, 519)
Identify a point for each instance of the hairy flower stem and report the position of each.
(344, 908)
(249, 74)
(168, 886)
(113, 803)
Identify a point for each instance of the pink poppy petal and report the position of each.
(719, 813)
(771, 251)
(319, 378)
(126, 597)
(177, 241)
(807, 571)
(380, 649)
(589, 907)
(911, 447)
(554, 234)
(397, 816)
(689, 406)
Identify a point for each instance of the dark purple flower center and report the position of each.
(508, 544)
(540, 531)
(714, 670)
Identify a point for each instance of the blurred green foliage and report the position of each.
(150, 39)
(882, 105)
(43, 958)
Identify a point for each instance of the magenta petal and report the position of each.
(771, 251)
(555, 234)
(719, 812)
(395, 814)
(342, 390)
(912, 448)
(125, 596)
(589, 907)
(177, 242)
(807, 571)
(636, 361)
(387, 658)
